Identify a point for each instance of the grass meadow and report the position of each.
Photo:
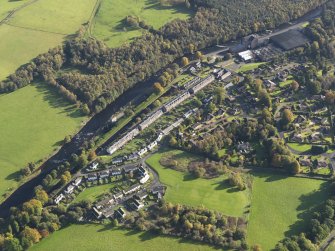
(93, 193)
(7, 6)
(249, 67)
(213, 194)
(281, 207)
(111, 29)
(34, 121)
(99, 237)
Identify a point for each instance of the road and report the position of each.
(326, 242)
(216, 50)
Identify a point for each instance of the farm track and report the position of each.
(11, 13)
(34, 29)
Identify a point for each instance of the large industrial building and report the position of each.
(290, 39)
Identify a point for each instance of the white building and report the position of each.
(246, 56)
(152, 145)
(69, 189)
(59, 198)
(145, 178)
(77, 181)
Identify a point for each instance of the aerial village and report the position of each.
(137, 185)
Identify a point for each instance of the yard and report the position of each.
(111, 28)
(102, 237)
(34, 121)
(93, 193)
(213, 194)
(281, 207)
(300, 147)
(249, 67)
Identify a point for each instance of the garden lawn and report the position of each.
(109, 26)
(103, 238)
(281, 206)
(300, 147)
(94, 192)
(213, 194)
(34, 121)
(249, 67)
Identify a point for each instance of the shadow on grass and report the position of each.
(55, 100)
(13, 176)
(269, 176)
(309, 203)
(189, 177)
(156, 5)
(224, 185)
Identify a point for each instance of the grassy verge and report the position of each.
(249, 67)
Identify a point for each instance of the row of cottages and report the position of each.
(134, 188)
(69, 190)
(150, 119)
(192, 82)
(176, 101)
(197, 86)
(124, 140)
(202, 84)
(221, 74)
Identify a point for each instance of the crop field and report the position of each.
(36, 28)
(34, 121)
(281, 207)
(213, 194)
(100, 237)
(111, 28)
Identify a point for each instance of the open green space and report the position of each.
(249, 67)
(34, 121)
(93, 193)
(281, 206)
(36, 28)
(300, 147)
(213, 193)
(99, 237)
(109, 24)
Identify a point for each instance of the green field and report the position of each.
(18, 46)
(111, 29)
(213, 194)
(281, 207)
(8, 5)
(36, 28)
(34, 121)
(101, 238)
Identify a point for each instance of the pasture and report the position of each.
(213, 193)
(36, 28)
(111, 28)
(101, 237)
(281, 207)
(34, 121)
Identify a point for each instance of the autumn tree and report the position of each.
(287, 117)
(294, 85)
(42, 196)
(158, 87)
(185, 61)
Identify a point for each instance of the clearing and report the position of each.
(214, 193)
(34, 121)
(281, 207)
(111, 28)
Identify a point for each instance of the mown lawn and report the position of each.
(103, 238)
(213, 194)
(249, 67)
(34, 121)
(300, 147)
(94, 192)
(37, 28)
(111, 29)
(281, 207)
